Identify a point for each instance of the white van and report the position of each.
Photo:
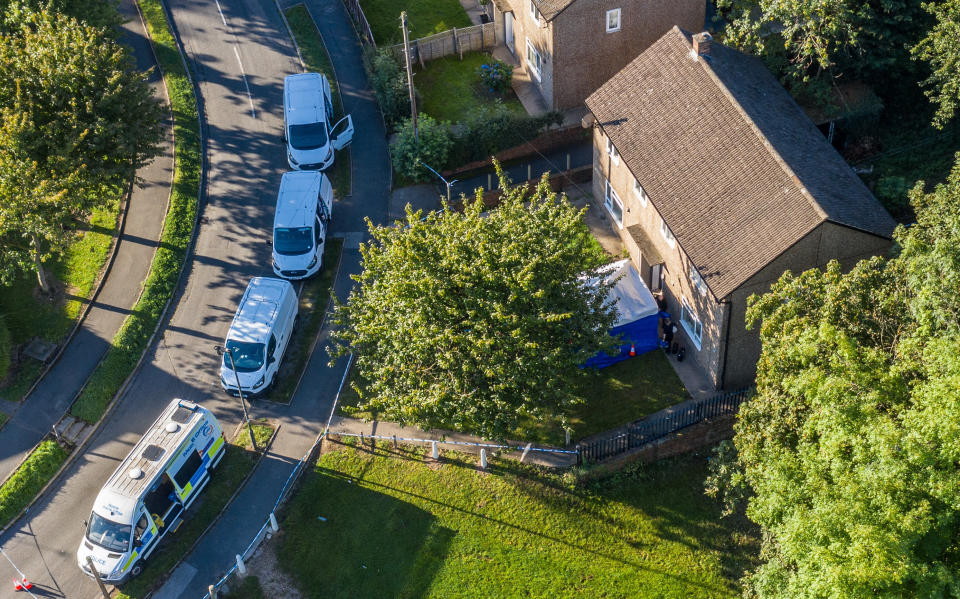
(258, 336)
(146, 495)
(307, 114)
(304, 209)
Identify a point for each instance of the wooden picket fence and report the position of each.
(446, 43)
(360, 20)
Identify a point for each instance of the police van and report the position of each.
(304, 208)
(146, 496)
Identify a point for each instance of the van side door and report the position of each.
(342, 133)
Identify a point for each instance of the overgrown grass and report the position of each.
(249, 588)
(397, 525)
(313, 306)
(424, 17)
(131, 341)
(24, 484)
(77, 270)
(317, 60)
(450, 88)
(232, 470)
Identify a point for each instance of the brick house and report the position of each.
(569, 48)
(718, 183)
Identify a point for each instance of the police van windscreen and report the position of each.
(110, 535)
(308, 137)
(247, 355)
(292, 241)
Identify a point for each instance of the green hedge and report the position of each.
(5, 346)
(22, 487)
(131, 341)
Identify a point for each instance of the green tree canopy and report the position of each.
(78, 122)
(96, 13)
(941, 50)
(475, 321)
(850, 445)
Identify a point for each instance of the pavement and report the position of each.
(120, 289)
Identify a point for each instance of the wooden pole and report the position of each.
(96, 576)
(413, 95)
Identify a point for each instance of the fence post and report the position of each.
(273, 522)
(456, 44)
(483, 458)
(212, 591)
(394, 441)
(242, 569)
(435, 451)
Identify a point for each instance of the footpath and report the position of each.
(118, 292)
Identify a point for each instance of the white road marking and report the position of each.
(243, 74)
(220, 10)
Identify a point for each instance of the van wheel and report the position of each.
(137, 569)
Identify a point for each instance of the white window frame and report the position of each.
(611, 12)
(612, 151)
(538, 63)
(698, 283)
(610, 198)
(694, 329)
(667, 234)
(533, 12)
(639, 193)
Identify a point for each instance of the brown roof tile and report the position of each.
(735, 168)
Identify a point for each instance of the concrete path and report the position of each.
(119, 292)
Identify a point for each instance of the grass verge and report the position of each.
(313, 305)
(450, 88)
(405, 526)
(131, 340)
(24, 484)
(232, 470)
(317, 60)
(249, 589)
(27, 316)
(424, 17)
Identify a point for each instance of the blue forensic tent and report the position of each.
(638, 313)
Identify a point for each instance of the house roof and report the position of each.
(728, 159)
(551, 8)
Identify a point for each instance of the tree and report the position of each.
(849, 446)
(78, 122)
(472, 321)
(431, 144)
(941, 49)
(100, 13)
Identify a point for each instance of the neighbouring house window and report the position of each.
(697, 280)
(534, 13)
(667, 234)
(613, 20)
(640, 193)
(691, 324)
(613, 204)
(612, 151)
(533, 59)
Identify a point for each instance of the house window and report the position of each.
(533, 59)
(640, 194)
(613, 20)
(612, 151)
(691, 324)
(613, 204)
(667, 234)
(697, 280)
(534, 13)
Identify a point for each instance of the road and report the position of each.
(236, 46)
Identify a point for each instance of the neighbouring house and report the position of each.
(718, 183)
(569, 48)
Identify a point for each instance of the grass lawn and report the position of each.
(614, 396)
(450, 88)
(397, 526)
(24, 484)
(249, 588)
(318, 61)
(232, 470)
(424, 17)
(77, 270)
(313, 306)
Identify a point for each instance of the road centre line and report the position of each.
(236, 52)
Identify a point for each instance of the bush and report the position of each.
(433, 148)
(892, 193)
(489, 130)
(24, 484)
(496, 76)
(389, 83)
(5, 349)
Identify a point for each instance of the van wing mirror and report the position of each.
(345, 136)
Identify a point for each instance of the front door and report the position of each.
(656, 276)
(508, 25)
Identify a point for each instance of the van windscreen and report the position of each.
(292, 241)
(110, 535)
(247, 355)
(308, 137)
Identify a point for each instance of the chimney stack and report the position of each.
(701, 43)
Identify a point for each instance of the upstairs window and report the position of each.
(534, 13)
(612, 151)
(667, 233)
(612, 201)
(640, 194)
(613, 20)
(697, 280)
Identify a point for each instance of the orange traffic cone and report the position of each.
(27, 584)
(633, 350)
(17, 585)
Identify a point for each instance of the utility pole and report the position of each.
(221, 350)
(413, 95)
(96, 576)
